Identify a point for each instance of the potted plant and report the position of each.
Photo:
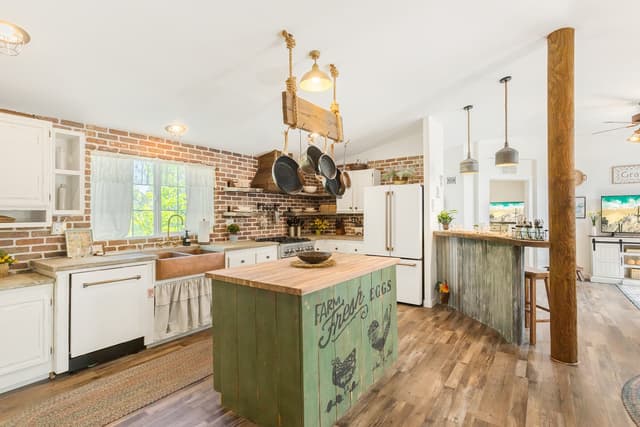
(233, 230)
(443, 290)
(5, 261)
(446, 217)
(398, 176)
(593, 216)
(320, 225)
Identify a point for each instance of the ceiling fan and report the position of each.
(635, 121)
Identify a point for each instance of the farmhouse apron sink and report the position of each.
(187, 262)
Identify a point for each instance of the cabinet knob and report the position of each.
(241, 261)
(268, 257)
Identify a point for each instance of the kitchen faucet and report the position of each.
(169, 224)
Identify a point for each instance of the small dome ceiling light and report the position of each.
(176, 129)
(12, 38)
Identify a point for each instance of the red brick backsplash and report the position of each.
(36, 243)
(400, 163)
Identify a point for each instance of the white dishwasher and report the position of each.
(107, 314)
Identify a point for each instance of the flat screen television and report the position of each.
(505, 211)
(620, 214)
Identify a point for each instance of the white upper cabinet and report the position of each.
(353, 199)
(25, 171)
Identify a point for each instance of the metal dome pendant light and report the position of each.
(315, 80)
(506, 156)
(469, 165)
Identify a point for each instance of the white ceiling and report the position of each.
(220, 66)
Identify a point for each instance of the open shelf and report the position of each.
(68, 191)
(322, 213)
(263, 191)
(241, 214)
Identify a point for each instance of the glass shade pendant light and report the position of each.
(176, 129)
(315, 80)
(506, 156)
(635, 137)
(12, 38)
(469, 165)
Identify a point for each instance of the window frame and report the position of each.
(157, 200)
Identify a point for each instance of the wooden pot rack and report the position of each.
(298, 113)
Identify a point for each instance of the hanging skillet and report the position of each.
(332, 185)
(345, 178)
(285, 171)
(309, 160)
(326, 165)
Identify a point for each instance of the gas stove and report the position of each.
(289, 246)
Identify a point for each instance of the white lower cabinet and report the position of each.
(408, 274)
(26, 335)
(340, 246)
(242, 257)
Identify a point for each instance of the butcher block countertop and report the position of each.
(23, 280)
(492, 237)
(280, 276)
(53, 265)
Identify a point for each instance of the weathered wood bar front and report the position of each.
(298, 347)
(485, 272)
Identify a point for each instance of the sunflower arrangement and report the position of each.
(5, 258)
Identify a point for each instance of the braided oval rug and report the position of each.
(631, 398)
(110, 398)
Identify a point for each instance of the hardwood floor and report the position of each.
(451, 371)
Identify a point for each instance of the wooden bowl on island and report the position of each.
(315, 257)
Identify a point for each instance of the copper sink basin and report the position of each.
(187, 262)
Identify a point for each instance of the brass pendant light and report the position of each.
(635, 137)
(469, 165)
(506, 156)
(315, 80)
(12, 38)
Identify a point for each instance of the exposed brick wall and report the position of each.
(400, 163)
(35, 243)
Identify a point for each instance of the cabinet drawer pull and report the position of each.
(406, 264)
(104, 282)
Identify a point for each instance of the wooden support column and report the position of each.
(562, 223)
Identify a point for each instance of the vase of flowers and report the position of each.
(593, 216)
(233, 230)
(320, 225)
(443, 290)
(446, 217)
(5, 262)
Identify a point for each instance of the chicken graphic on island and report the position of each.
(342, 376)
(378, 335)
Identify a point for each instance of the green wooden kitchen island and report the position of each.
(299, 347)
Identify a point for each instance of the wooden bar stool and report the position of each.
(531, 277)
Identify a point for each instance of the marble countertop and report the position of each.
(233, 246)
(53, 265)
(23, 280)
(352, 237)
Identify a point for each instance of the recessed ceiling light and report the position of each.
(12, 38)
(176, 129)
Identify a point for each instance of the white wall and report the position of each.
(433, 146)
(507, 190)
(404, 142)
(595, 155)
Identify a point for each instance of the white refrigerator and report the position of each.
(393, 224)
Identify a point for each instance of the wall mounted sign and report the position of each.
(627, 174)
(581, 207)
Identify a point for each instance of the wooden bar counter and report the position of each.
(299, 346)
(485, 272)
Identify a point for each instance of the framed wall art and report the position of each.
(626, 174)
(79, 242)
(581, 207)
